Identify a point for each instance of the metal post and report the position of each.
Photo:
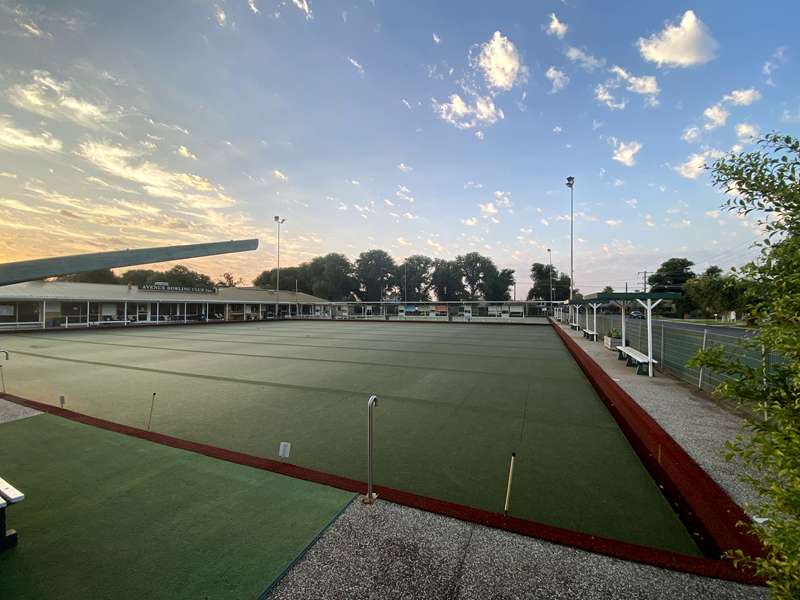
(370, 496)
(279, 222)
(44, 314)
(184, 312)
(150, 417)
(88, 309)
(700, 379)
(158, 310)
(125, 313)
(508, 485)
(550, 254)
(622, 314)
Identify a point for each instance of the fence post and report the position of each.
(700, 380)
(661, 358)
(370, 496)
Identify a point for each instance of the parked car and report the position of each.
(637, 314)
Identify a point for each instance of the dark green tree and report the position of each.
(414, 278)
(672, 273)
(495, 284)
(447, 280)
(472, 266)
(291, 277)
(375, 271)
(332, 277)
(178, 275)
(766, 183)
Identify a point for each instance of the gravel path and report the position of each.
(10, 411)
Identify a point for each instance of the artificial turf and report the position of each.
(455, 402)
(111, 516)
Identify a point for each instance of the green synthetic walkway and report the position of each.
(455, 402)
(110, 516)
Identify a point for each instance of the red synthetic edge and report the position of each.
(660, 558)
(704, 507)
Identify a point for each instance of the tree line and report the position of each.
(376, 276)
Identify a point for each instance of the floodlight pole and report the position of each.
(571, 185)
(550, 254)
(279, 222)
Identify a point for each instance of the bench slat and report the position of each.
(635, 354)
(10, 493)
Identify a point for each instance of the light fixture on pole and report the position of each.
(550, 254)
(279, 222)
(571, 185)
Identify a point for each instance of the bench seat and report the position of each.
(8, 495)
(635, 358)
(592, 335)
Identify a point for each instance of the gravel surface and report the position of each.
(9, 411)
(388, 552)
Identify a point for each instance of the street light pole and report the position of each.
(550, 254)
(571, 185)
(279, 222)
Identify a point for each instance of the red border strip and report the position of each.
(661, 558)
(706, 509)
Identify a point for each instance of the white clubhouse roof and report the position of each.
(98, 292)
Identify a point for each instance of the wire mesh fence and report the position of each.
(674, 346)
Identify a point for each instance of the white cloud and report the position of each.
(480, 135)
(558, 78)
(463, 115)
(406, 103)
(544, 222)
(686, 44)
(556, 27)
(488, 209)
(51, 98)
(743, 97)
(602, 93)
(633, 202)
(253, 7)
(500, 63)
(279, 175)
(648, 221)
(778, 58)
(410, 216)
(436, 246)
(625, 152)
(436, 39)
(790, 117)
(691, 135)
(646, 85)
(15, 138)
(471, 222)
(716, 116)
(695, 164)
(8, 175)
(342, 206)
(220, 15)
(557, 130)
(585, 60)
(304, 6)
(192, 191)
(473, 185)
(403, 241)
(184, 152)
(503, 200)
(613, 222)
(405, 168)
(357, 65)
(746, 131)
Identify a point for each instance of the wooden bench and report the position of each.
(635, 358)
(575, 326)
(592, 335)
(8, 495)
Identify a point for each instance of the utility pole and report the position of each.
(644, 277)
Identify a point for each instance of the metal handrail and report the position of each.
(370, 496)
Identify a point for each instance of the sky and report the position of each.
(418, 127)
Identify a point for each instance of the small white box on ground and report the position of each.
(284, 449)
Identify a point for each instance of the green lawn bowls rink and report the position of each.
(455, 402)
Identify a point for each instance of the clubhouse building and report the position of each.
(62, 304)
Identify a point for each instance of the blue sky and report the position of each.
(418, 127)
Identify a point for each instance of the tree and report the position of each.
(178, 275)
(99, 276)
(541, 276)
(471, 266)
(414, 276)
(496, 284)
(766, 182)
(229, 280)
(375, 271)
(672, 273)
(291, 278)
(608, 290)
(332, 277)
(447, 280)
